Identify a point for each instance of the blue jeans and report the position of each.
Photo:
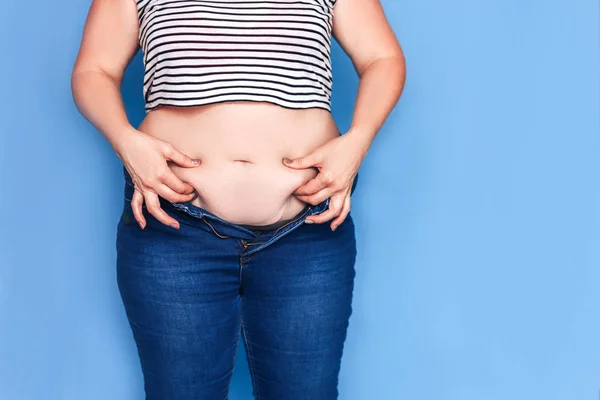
(191, 293)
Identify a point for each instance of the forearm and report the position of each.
(98, 98)
(380, 87)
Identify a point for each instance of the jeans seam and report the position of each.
(250, 356)
(245, 259)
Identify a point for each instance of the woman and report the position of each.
(239, 180)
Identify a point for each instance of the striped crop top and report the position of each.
(198, 52)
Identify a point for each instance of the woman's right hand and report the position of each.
(146, 159)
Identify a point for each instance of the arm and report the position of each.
(363, 32)
(109, 42)
(361, 28)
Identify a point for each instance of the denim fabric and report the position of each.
(190, 294)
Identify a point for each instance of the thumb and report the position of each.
(179, 158)
(307, 161)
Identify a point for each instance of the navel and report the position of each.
(243, 161)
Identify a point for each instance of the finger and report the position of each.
(310, 160)
(321, 181)
(173, 154)
(311, 187)
(136, 206)
(153, 207)
(169, 194)
(176, 184)
(318, 197)
(335, 206)
(343, 214)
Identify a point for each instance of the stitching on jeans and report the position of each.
(245, 259)
(214, 230)
(254, 243)
(250, 357)
(240, 275)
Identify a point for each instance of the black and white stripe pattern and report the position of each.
(208, 51)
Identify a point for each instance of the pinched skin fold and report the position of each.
(241, 178)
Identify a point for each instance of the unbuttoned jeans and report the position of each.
(191, 293)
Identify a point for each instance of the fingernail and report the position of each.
(175, 226)
(196, 162)
(309, 221)
(141, 225)
(333, 228)
(287, 160)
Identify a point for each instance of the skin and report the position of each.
(173, 166)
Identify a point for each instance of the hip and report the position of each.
(199, 226)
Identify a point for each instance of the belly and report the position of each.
(242, 179)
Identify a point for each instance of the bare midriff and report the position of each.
(241, 178)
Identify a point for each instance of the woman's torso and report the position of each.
(239, 85)
(241, 145)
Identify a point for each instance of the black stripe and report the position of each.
(156, 83)
(154, 17)
(253, 49)
(325, 38)
(237, 35)
(265, 24)
(325, 55)
(149, 107)
(171, 67)
(164, 7)
(227, 5)
(317, 93)
(227, 73)
(233, 87)
(237, 94)
(283, 60)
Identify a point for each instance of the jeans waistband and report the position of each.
(226, 229)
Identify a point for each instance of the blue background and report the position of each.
(478, 212)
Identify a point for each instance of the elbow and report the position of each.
(400, 65)
(76, 82)
(77, 76)
(78, 85)
(395, 66)
(74, 85)
(84, 79)
(394, 63)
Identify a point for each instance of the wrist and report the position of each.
(122, 139)
(361, 139)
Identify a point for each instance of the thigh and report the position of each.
(296, 306)
(180, 289)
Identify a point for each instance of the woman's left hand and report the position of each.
(337, 161)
